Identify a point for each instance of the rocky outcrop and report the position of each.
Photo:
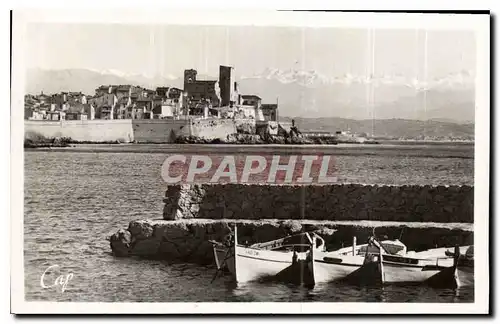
(188, 240)
(121, 243)
(36, 140)
(329, 202)
(238, 138)
(243, 139)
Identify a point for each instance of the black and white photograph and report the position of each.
(226, 162)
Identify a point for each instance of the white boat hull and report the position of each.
(334, 268)
(269, 259)
(395, 272)
(338, 265)
(255, 264)
(465, 269)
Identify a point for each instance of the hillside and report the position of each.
(389, 128)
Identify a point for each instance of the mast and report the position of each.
(302, 202)
(205, 48)
(425, 80)
(369, 67)
(371, 83)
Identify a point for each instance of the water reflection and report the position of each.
(341, 292)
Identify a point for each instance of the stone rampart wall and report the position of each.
(211, 128)
(159, 130)
(83, 130)
(129, 130)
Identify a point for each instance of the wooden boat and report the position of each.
(407, 269)
(339, 264)
(268, 259)
(465, 263)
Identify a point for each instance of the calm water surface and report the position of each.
(74, 200)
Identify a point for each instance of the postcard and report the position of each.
(168, 161)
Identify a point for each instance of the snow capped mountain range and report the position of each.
(112, 71)
(313, 78)
(132, 75)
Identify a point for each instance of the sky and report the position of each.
(168, 50)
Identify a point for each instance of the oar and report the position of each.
(215, 276)
(220, 269)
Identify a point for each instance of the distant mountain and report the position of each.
(53, 81)
(434, 104)
(390, 128)
(314, 79)
(306, 93)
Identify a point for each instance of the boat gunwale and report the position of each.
(407, 265)
(274, 250)
(262, 259)
(339, 264)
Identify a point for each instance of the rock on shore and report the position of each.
(244, 138)
(188, 240)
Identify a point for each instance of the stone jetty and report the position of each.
(423, 217)
(329, 202)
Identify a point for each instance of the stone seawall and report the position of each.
(159, 130)
(188, 240)
(409, 203)
(83, 130)
(245, 125)
(128, 130)
(213, 128)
